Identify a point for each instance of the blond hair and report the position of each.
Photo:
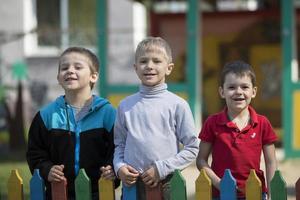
(150, 42)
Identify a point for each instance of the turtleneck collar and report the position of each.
(151, 91)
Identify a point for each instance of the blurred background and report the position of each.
(33, 33)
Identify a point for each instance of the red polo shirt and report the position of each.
(237, 150)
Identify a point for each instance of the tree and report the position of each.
(15, 122)
(15, 117)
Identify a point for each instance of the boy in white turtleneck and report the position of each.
(151, 123)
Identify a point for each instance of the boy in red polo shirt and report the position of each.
(237, 135)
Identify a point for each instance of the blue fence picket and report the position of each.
(228, 186)
(37, 186)
(129, 193)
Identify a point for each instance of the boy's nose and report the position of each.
(239, 90)
(70, 70)
(149, 65)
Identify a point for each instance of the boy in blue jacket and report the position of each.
(76, 130)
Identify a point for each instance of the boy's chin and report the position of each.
(151, 84)
(72, 89)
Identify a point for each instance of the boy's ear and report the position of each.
(169, 68)
(57, 79)
(254, 92)
(134, 65)
(94, 77)
(221, 92)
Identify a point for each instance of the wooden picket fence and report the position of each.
(203, 188)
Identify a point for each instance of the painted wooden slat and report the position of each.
(278, 187)
(140, 189)
(178, 186)
(15, 186)
(37, 186)
(297, 187)
(253, 186)
(59, 190)
(129, 193)
(83, 186)
(203, 186)
(106, 189)
(296, 119)
(154, 193)
(228, 186)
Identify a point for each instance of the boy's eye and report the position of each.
(157, 61)
(78, 67)
(63, 67)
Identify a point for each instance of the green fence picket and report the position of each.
(178, 189)
(83, 187)
(278, 187)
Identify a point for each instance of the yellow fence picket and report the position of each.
(15, 186)
(253, 187)
(203, 186)
(106, 189)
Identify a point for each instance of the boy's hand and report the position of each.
(151, 177)
(56, 173)
(107, 172)
(128, 175)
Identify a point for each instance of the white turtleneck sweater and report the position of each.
(148, 129)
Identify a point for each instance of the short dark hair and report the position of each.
(89, 54)
(239, 68)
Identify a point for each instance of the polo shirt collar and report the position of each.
(223, 118)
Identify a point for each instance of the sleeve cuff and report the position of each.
(117, 167)
(159, 167)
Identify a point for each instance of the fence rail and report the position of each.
(203, 188)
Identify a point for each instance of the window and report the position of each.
(72, 24)
(48, 23)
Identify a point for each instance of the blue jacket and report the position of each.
(55, 138)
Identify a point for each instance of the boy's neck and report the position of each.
(238, 115)
(78, 99)
(240, 119)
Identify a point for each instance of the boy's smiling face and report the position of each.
(75, 73)
(152, 66)
(237, 92)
